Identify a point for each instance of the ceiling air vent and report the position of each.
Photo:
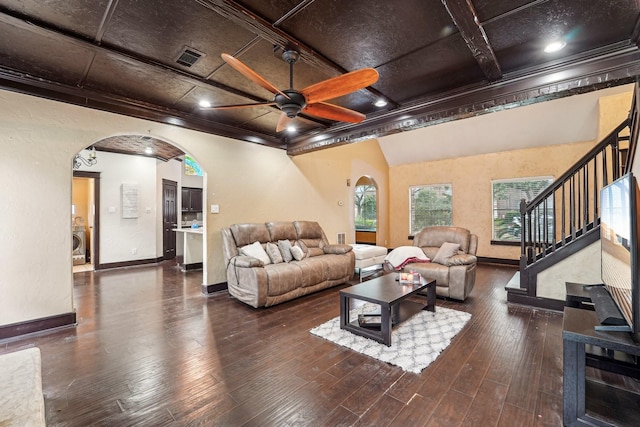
(189, 56)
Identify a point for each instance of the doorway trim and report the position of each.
(95, 255)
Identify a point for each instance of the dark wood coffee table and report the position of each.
(392, 297)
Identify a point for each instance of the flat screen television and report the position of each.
(619, 248)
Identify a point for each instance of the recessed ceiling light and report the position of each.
(148, 150)
(204, 103)
(555, 46)
(291, 128)
(381, 102)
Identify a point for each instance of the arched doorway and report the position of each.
(365, 202)
(134, 174)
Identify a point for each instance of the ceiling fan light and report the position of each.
(380, 102)
(555, 46)
(291, 129)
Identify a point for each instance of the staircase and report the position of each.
(564, 219)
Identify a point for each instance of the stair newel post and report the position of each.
(523, 246)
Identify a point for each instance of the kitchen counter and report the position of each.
(189, 230)
(189, 248)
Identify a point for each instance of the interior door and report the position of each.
(169, 218)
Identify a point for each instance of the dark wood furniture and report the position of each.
(586, 401)
(393, 299)
(191, 199)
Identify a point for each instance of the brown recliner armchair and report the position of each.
(455, 271)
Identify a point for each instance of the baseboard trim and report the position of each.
(37, 325)
(211, 289)
(128, 263)
(489, 260)
(194, 266)
(544, 303)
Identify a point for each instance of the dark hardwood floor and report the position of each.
(151, 350)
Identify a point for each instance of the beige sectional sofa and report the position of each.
(455, 273)
(263, 282)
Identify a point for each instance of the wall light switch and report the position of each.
(215, 208)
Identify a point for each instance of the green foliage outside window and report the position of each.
(506, 206)
(365, 207)
(430, 205)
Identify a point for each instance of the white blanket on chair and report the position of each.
(399, 255)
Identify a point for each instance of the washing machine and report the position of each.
(79, 252)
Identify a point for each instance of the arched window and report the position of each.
(365, 203)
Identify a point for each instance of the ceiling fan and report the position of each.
(310, 99)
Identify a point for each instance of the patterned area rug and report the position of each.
(415, 343)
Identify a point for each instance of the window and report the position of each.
(429, 205)
(191, 167)
(365, 204)
(507, 194)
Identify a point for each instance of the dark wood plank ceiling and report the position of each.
(438, 60)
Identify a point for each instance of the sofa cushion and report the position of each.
(245, 234)
(336, 267)
(297, 253)
(342, 249)
(282, 278)
(281, 230)
(308, 230)
(437, 235)
(446, 251)
(311, 247)
(274, 253)
(285, 250)
(431, 270)
(257, 251)
(314, 271)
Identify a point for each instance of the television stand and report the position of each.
(587, 401)
(609, 315)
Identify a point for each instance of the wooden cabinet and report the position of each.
(191, 199)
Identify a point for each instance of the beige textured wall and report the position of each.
(612, 110)
(471, 182)
(328, 171)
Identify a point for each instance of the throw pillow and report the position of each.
(257, 251)
(285, 250)
(274, 253)
(297, 253)
(446, 251)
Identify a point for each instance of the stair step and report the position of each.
(514, 282)
(513, 285)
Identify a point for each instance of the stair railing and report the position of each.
(568, 208)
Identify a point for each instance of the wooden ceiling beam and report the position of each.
(465, 18)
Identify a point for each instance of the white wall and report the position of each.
(581, 267)
(127, 239)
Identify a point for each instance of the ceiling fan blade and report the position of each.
(334, 112)
(228, 107)
(250, 74)
(340, 85)
(283, 122)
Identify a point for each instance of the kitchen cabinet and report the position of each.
(191, 199)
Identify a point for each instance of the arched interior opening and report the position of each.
(365, 202)
(137, 200)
